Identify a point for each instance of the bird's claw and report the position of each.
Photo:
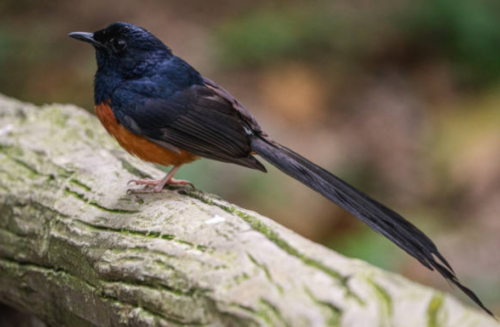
(181, 183)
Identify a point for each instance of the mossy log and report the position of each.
(77, 250)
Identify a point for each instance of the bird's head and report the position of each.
(125, 48)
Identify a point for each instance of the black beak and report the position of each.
(85, 37)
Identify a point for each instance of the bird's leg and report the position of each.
(167, 180)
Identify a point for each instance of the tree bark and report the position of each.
(77, 250)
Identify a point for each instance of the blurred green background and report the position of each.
(401, 99)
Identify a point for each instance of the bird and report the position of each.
(162, 110)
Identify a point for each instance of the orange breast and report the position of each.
(137, 145)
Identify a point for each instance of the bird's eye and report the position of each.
(118, 45)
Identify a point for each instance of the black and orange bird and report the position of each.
(163, 111)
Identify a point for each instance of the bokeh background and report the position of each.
(400, 98)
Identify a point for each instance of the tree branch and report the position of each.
(77, 250)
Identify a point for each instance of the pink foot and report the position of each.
(144, 182)
(158, 185)
(174, 181)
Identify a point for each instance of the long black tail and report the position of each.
(377, 216)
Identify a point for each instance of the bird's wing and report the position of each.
(242, 111)
(196, 119)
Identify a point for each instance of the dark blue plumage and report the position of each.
(148, 98)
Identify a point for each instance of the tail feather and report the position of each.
(377, 216)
